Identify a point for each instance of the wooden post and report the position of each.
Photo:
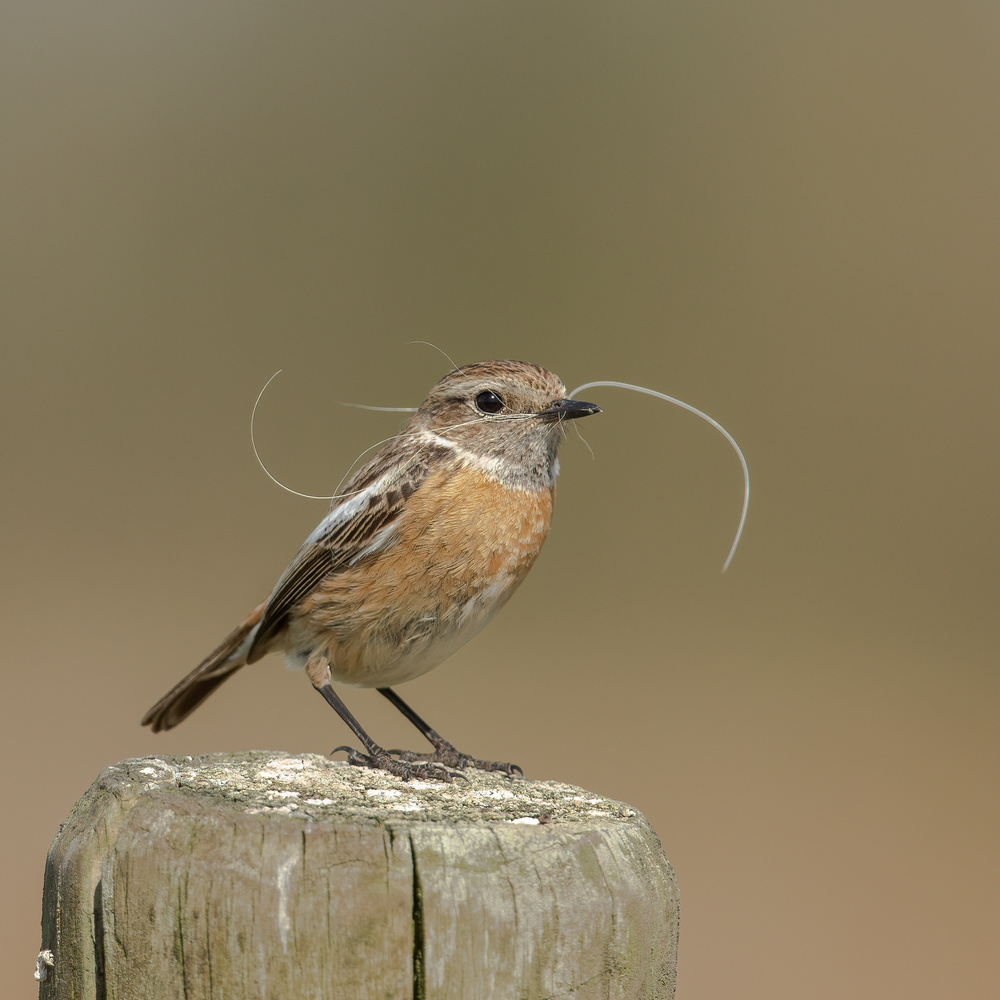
(268, 875)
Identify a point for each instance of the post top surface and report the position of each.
(310, 786)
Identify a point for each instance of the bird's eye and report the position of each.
(489, 402)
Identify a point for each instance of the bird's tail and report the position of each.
(185, 696)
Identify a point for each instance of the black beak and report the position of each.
(568, 409)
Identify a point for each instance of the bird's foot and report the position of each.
(447, 756)
(402, 767)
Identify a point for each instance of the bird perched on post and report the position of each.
(425, 544)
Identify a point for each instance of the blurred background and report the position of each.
(786, 214)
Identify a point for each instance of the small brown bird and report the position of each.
(427, 542)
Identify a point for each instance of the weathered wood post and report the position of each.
(269, 875)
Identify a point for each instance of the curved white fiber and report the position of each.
(704, 416)
(253, 444)
(380, 409)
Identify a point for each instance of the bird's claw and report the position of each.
(400, 768)
(446, 755)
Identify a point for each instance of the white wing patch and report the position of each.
(382, 539)
(344, 512)
(340, 515)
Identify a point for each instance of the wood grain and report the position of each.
(272, 875)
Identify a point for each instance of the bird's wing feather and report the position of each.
(352, 531)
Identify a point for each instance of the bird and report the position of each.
(420, 549)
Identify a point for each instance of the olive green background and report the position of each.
(787, 214)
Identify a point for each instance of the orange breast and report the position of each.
(463, 543)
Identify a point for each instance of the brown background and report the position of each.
(785, 213)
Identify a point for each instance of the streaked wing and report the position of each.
(353, 530)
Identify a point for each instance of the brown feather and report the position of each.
(185, 696)
(329, 554)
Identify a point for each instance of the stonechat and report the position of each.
(425, 544)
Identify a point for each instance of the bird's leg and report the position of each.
(376, 757)
(444, 753)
